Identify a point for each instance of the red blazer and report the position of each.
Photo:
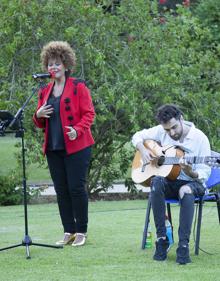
(76, 110)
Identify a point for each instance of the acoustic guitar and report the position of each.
(165, 163)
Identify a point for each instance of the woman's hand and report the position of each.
(44, 111)
(72, 134)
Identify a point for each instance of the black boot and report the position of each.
(182, 254)
(162, 246)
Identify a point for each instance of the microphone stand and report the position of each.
(18, 120)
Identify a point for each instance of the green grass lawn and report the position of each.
(34, 173)
(113, 249)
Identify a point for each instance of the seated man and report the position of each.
(174, 130)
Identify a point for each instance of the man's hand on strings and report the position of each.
(146, 154)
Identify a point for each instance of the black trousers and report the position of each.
(68, 173)
(161, 189)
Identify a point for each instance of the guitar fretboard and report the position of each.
(190, 160)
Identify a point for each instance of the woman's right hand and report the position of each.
(44, 111)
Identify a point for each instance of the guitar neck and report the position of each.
(190, 160)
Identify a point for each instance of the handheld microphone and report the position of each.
(42, 75)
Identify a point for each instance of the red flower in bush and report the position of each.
(162, 20)
(186, 3)
(131, 38)
(162, 1)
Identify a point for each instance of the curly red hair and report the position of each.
(58, 49)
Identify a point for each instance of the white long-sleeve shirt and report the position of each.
(195, 143)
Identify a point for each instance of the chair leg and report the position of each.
(200, 202)
(169, 213)
(217, 197)
(147, 220)
(170, 217)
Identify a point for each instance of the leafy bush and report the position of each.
(208, 12)
(10, 189)
(132, 60)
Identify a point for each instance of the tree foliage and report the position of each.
(133, 60)
(208, 12)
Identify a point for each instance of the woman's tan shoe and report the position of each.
(67, 239)
(80, 239)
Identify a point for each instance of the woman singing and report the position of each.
(65, 112)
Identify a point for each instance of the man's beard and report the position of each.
(176, 137)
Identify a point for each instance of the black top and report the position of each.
(55, 132)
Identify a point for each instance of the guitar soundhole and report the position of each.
(161, 160)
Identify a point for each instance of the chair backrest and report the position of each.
(214, 178)
(215, 153)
